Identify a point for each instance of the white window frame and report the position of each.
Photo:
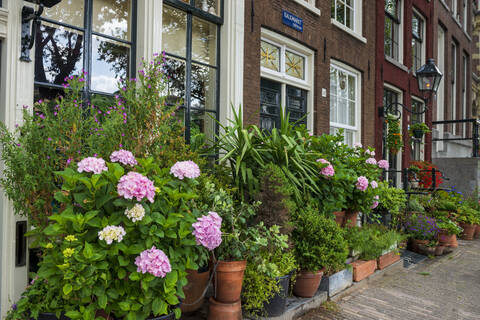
(400, 152)
(400, 37)
(422, 119)
(356, 31)
(455, 9)
(441, 89)
(310, 5)
(357, 129)
(285, 44)
(465, 16)
(424, 40)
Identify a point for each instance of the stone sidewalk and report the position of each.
(441, 288)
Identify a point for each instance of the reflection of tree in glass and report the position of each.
(204, 37)
(115, 55)
(57, 51)
(112, 18)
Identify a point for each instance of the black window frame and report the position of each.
(396, 22)
(88, 35)
(390, 97)
(417, 42)
(416, 117)
(192, 11)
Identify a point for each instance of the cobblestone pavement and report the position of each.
(442, 288)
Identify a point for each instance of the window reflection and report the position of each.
(67, 11)
(110, 60)
(204, 41)
(174, 31)
(203, 87)
(202, 127)
(175, 89)
(112, 17)
(58, 53)
(210, 6)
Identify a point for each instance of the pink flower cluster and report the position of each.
(124, 157)
(371, 161)
(362, 183)
(328, 171)
(92, 164)
(153, 261)
(133, 184)
(374, 184)
(185, 169)
(375, 203)
(383, 164)
(207, 230)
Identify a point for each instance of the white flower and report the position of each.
(136, 213)
(111, 233)
(357, 145)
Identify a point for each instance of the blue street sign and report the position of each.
(292, 21)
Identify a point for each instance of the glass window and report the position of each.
(269, 56)
(294, 65)
(416, 144)
(417, 42)
(191, 47)
(392, 28)
(344, 102)
(343, 11)
(61, 51)
(270, 104)
(390, 97)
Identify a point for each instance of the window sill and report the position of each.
(397, 64)
(445, 4)
(349, 31)
(307, 5)
(467, 35)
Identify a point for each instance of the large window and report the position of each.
(418, 35)
(464, 94)
(392, 29)
(392, 96)
(345, 103)
(190, 39)
(417, 149)
(343, 11)
(94, 36)
(287, 81)
(453, 86)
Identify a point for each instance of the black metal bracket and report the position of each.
(28, 31)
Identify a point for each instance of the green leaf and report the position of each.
(60, 197)
(178, 313)
(171, 278)
(172, 300)
(88, 251)
(125, 306)
(121, 273)
(122, 261)
(134, 276)
(67, 288)
(73, 314)
(158, 305)
(102, 301)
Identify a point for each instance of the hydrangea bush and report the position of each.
(123, 241)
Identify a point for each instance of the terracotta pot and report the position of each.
(307, 283)
(416, 242)
(228, 280)
(445, 239)
(439, 250)
(224, 311)
(339, 217)
(197, 282)
(350, 218)
(468, 231)
(363, 269)
(387, 259)
(426, 250)
(477, 231)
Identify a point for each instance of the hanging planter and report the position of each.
(417, 130)
(394, 135)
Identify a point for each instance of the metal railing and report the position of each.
(462, 131)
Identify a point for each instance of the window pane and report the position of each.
(202, 127)
(333, 109)
(342, 108)
(110, 61)
(351, 87)
(416, 26)
(296, 104)
(391, 6)
(342, 84)
(58, 53)
(210, 6)
(174, 31)
(67, 11)
(269, 56)
(269, 104)
(203, 90)
(351, 115)
(349, 17)
(112, 17)
(294, 65)
(175, 88)
(388, 37)
(103, 102)
(46, 93)
(340, 12)
(204, 41)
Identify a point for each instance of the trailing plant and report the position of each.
(419, 126)
(394, 134)
(318, 241)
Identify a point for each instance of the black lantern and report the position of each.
(429, 77)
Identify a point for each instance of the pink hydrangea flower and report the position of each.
(362, 183)
(134, 185)
(185, 169)
(124, 157)
(374, 205)
(207, 230)
(91, 164)
(374, 184)
(153, 261)
(357, 145)
(383, 164)
(328, 171)
(371, 161)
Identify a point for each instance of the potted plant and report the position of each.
(467, 219)
(394, 134)
(421, 229)
(392, 201)
(417, 130)
(268, 273)
(448, 232)
(314, 239)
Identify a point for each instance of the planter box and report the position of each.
(362, 269)
(387, 259)
(337, 282)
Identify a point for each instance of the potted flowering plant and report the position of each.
(122, 240)
(467, 219)
(417, 130)
(394, 134)
(422, 229)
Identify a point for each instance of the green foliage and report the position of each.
(370, 242)
(394, 135)
(318, 241)
(450, 226)
(87, 274)
(418, 126)
(414, 205)
(392, 199)
(467, 215)
(269, 260)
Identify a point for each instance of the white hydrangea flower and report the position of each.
(136, 213)
(112, 233)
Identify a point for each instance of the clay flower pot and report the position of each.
(387, 259)
(439, 250)
(416, 243)
(224, 311)
(350, 218)
(228, 280)
(339, 217)
(363, 269)
(477, 231)
(307, 283)
(445, 239)
(197, 283)
(468, 231)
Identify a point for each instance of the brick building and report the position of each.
(404, 42)
(324, 71)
